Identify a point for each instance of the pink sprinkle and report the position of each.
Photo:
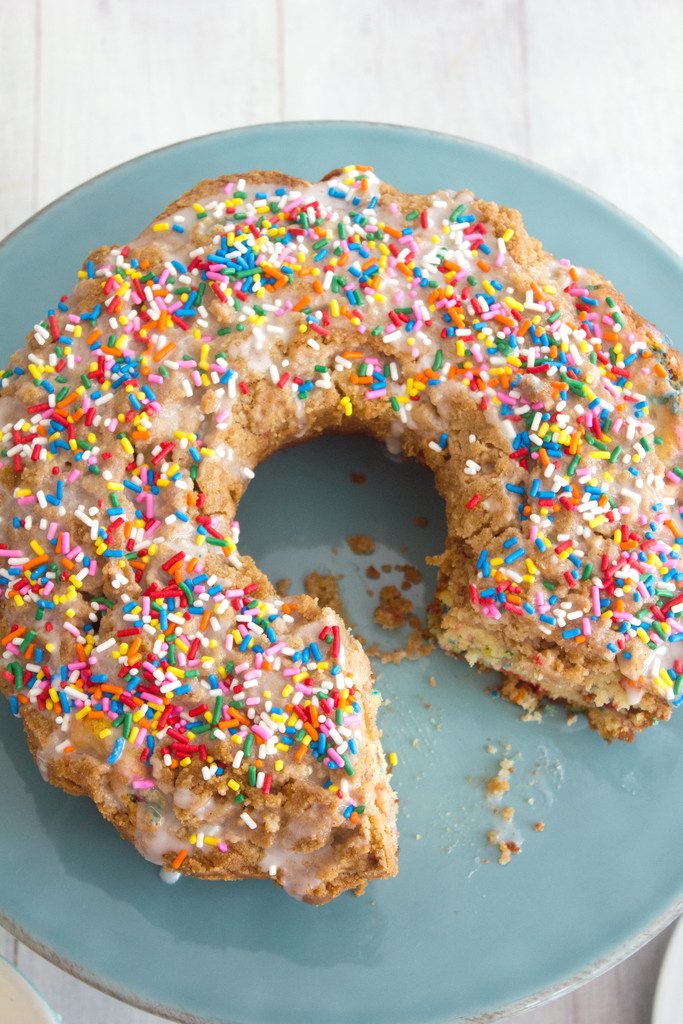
(595, 594)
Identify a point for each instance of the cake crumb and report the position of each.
(421, 521)
(496, 786)
(500, 782)
(505, 855)
(433, 681)
(418, 646)
(411, 575)
(325, 587)
(282, 586)
(361, 544)
(393, 609)
(539, 826)
(507, 848)
(358, 478)
(372, 572)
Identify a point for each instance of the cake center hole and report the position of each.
(339, 518)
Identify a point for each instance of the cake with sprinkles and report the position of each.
(228, 732)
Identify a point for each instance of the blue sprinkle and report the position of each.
(117, 751)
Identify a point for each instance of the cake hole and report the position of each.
(302, 507)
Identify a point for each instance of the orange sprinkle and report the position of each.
(13, 635)
(178, 860)
(162, 352)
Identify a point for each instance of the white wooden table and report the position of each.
(591, 90)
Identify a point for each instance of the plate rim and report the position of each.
(499, 151)
(635, 941)
(591, 972)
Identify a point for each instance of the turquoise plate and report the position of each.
(453, 937)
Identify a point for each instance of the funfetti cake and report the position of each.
(228, 732)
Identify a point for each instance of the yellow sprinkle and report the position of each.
(393, 759)
(161, 226)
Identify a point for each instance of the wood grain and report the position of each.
(604, 82)
(18, 113)
(589, 90)
(409, 63)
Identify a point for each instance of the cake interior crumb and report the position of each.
(325, 587)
